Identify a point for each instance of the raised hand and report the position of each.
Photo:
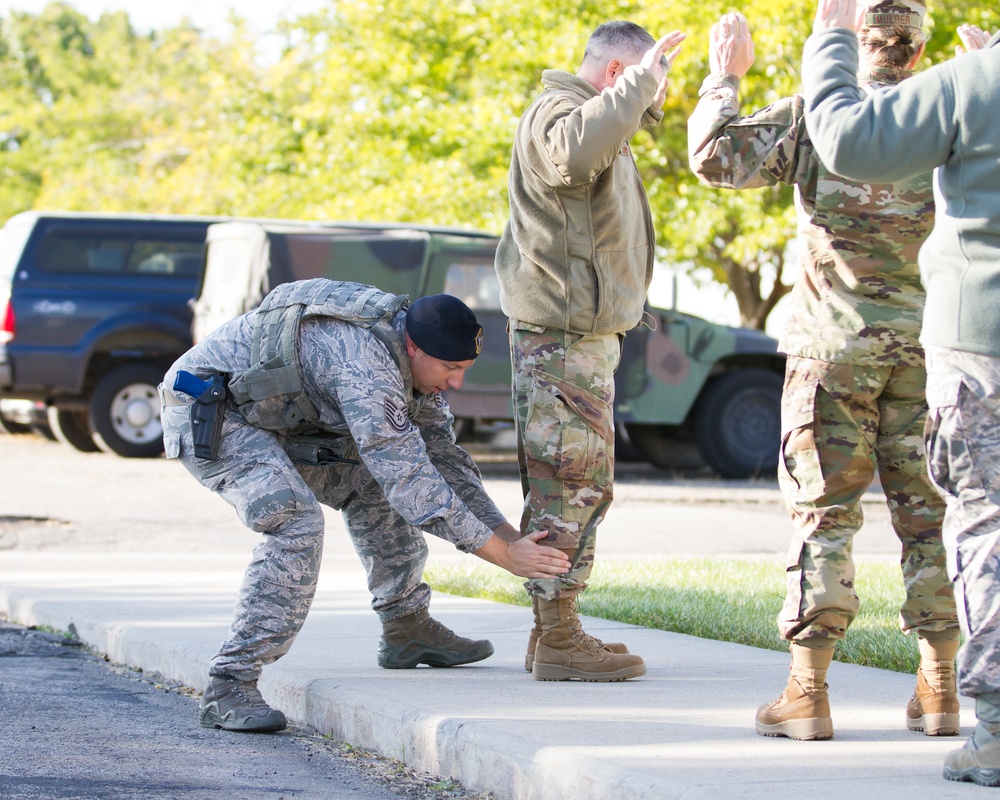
(838, 14)
(730, 48)
(973, 38)
(658, 61)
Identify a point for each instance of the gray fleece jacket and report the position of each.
(946, 118)
(577, 252)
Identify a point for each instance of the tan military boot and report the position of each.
(564, 652)
(803, 709)
(934, 706)
(536, 631)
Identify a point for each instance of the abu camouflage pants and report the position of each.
(963, 450)
(283, 501)
(839, 423)
(563, 387)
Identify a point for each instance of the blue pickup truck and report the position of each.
(93, 309)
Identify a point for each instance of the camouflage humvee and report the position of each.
(688, 391)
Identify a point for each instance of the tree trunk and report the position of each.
(745, 283)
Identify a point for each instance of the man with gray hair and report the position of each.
(574, 264)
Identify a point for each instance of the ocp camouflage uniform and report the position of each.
(854, 387)
(409, 477)
(563, 389)
(574, 263)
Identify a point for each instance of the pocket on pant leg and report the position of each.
(790, 616)
(949, 460)
(558, 442)
(800, 466)
(266, 497)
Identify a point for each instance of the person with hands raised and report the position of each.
(941, 120)
(574, 263)
(854, 397)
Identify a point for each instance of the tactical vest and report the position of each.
(270, 393)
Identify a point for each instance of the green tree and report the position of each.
(743, 237)
(400, 110)
(412, 118)
(97, 117)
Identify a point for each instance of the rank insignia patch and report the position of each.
(396, 416)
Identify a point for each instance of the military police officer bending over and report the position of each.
(330, 393)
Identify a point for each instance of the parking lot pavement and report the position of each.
(144, 564)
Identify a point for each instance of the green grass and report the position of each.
(727, 599)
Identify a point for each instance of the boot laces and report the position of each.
(584, 639)
(438, 629)
(246, 692)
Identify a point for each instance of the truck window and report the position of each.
(167, 257)
(475, 283)
(13, 236)
(74, 252)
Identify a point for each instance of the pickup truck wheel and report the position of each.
(125, 412)
(662, 447)
(71, 428)
(738, 422)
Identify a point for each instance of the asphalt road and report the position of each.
(77, 728)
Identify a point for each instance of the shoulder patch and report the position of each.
(395, 416)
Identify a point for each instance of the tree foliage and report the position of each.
(394, 110)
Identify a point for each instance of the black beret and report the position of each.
(444, 327)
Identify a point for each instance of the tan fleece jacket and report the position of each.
(577, 252)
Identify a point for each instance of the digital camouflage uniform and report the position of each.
(563, 389)
(409, 477)
(853, 399)
(963, 438)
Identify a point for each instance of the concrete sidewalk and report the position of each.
(144, 565)
(685, 730)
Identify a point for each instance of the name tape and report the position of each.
(892, 19)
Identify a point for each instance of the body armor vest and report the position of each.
(270, 393)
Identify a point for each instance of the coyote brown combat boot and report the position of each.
(418, 638)
(803, 709)
(934, 706)
(564, 652)
(529, 657)
(236, 705)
